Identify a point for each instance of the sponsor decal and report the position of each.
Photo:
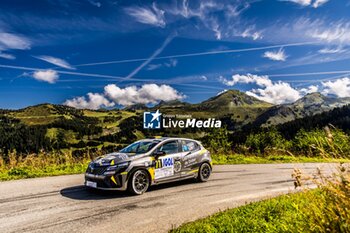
(190, 162)
(164, 168)
(168, 162)
(177, 166)
(156, 120)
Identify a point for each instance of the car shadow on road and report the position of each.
(80, 192)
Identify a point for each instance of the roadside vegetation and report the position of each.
(319, 145)
(320, 210)
(42, 164)
(323, 144)
(325, 209)
(49, 139)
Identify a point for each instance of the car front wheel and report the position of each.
(138, 182)
(204, 172)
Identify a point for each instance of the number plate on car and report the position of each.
(91, 184)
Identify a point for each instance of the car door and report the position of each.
(166, 166)
(191, 158)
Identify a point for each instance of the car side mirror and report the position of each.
(158, 154)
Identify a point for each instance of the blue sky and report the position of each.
(113, 53)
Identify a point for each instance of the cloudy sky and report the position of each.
(113, 53)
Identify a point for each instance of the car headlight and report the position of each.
(111, 170)
(125, 164)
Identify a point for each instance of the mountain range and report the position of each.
(50, 126)
(233, 104)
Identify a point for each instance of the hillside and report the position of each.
(48, 126)
(238, 106)
(309, 105)
(337, 117)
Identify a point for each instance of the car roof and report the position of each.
(161, 139)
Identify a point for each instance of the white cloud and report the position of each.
(301, 2)
(9, 41)
(216, 29)
(339, 87)
(56, 61)
(278, 93)
(250, 32)
(203, 77)
(282, 92)
(312, 3)
(94, 101)
(154, 66)
(331, 32)
(221, 92)
(148, 15)
(12, 41)
(318, 3)
(170, 64)
(276, 55)
(95, 3)
(310, 89)
(7, 56)
(272, 92)
(206, 14)
(339, 49)
(146, 94)
(247, 79)
(50, 76)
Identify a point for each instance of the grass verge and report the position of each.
(325, 209)
(54, 164)
(287, 213)
(51, 170)
(222, 159)
(42, 164)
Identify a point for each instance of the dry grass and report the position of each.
(43, 164)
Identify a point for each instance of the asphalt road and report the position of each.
(62, 204)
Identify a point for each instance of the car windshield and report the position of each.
(139, 147)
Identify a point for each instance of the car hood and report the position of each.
(117, 157)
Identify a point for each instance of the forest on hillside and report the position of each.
(25, 139)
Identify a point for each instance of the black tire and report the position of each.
(204, 172)
(138, 182)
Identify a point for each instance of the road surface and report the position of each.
(62, 204)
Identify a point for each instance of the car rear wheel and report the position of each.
(138, 182)
(204, 172)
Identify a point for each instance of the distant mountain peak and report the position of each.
(312, 99)
(308, 105)
(235, 98)
(136, 107)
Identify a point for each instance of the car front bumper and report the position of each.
(106, 182)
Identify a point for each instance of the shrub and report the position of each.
(217, 141)
(267, 139)
(325, 143)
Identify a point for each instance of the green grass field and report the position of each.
(287, 213)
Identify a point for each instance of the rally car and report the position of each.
(149, 162)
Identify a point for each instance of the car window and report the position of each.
(170, 147)
(189, 146)
(139, 147)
